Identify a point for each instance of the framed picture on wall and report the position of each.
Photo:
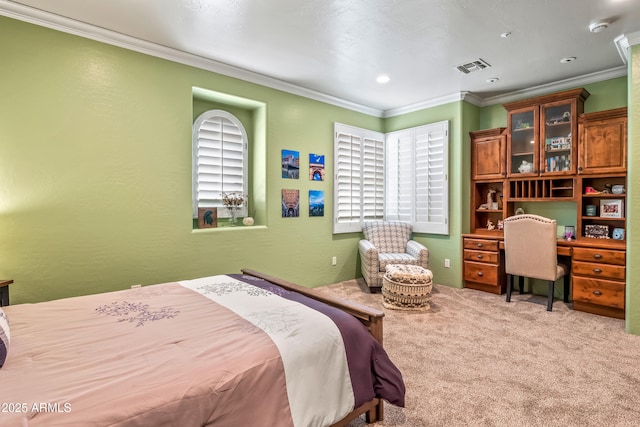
(316, 167)
(613, 208)
(290, 164)
(290, 203)
(316, 202)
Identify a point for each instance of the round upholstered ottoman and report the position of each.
(406, 287)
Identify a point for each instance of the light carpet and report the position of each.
(475, 360)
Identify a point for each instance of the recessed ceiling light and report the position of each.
(598, 26)
(492, 80)
(383, 78)
(567, 59)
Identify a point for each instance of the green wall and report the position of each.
(633, 196)
(95, 173)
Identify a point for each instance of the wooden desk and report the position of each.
(598, 270)
(4, 292)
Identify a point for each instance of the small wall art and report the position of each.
(316, 202)
(290, 203)
(316, 167)
(290, 164)
(207, 217)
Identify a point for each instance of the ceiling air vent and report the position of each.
(479, 64)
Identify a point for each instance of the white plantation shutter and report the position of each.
(359, 177)
(219, 160)
(399, 176)
(431, 175)
(416, 177)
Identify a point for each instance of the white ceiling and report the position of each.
(339, 47)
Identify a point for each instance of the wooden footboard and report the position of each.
(370, 317)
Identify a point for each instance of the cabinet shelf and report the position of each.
(600, 218)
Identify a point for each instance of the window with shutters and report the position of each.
(359, 177)
(219, 160)
(417, 189)
(402, 176)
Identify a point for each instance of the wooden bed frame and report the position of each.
(370, 317)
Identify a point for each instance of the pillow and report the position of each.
(5, 337)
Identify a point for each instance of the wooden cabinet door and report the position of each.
(603, 142)
(488, 150)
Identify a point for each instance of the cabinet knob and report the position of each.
(480, 256)
(597, 256)
(580, 168)
(597, 293)
(597, 270)
(480, 273)
(479, 245)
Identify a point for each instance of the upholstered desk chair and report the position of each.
(386, 243)
(530, 249)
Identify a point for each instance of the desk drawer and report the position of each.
(480, 273)
(597, 291)
(605, 271)
(604, 256)
(481, 244)
(481, 256)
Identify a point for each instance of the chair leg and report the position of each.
(550, 297)
(567, 287)
(521, 284)
(509, 286)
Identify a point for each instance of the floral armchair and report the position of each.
(385, 243)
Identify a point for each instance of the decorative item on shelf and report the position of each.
(500, 203)
(490, 202)
(596, 231)
(500, 224)
(618, 234)
(248, 221)
(207, 217)
(233, 201)
(569, 232)
(591, 190)
(525, 167)
(613, 208)
(591, 210)
(618, 189)
(519, 211)
(607, 189)
(490, 225)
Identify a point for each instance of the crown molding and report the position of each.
(558, 86)
(459, 96)
(70, 26)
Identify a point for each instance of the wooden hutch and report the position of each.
(551, 151)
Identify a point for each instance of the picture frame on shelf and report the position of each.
(611, 208)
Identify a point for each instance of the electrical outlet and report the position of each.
(136, 286)
(447, 263)
(334, 260)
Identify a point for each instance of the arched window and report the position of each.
(219, 160)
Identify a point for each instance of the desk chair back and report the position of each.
(530, 247)
(531, 250)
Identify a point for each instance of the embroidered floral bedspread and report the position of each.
(216, 351)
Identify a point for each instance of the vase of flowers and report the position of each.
(233, 201)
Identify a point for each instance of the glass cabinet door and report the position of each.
(523, 142)
(557, 155)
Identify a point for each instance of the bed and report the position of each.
(227, 350)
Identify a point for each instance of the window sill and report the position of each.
(238, 228)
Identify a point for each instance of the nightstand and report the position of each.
(4, 292)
